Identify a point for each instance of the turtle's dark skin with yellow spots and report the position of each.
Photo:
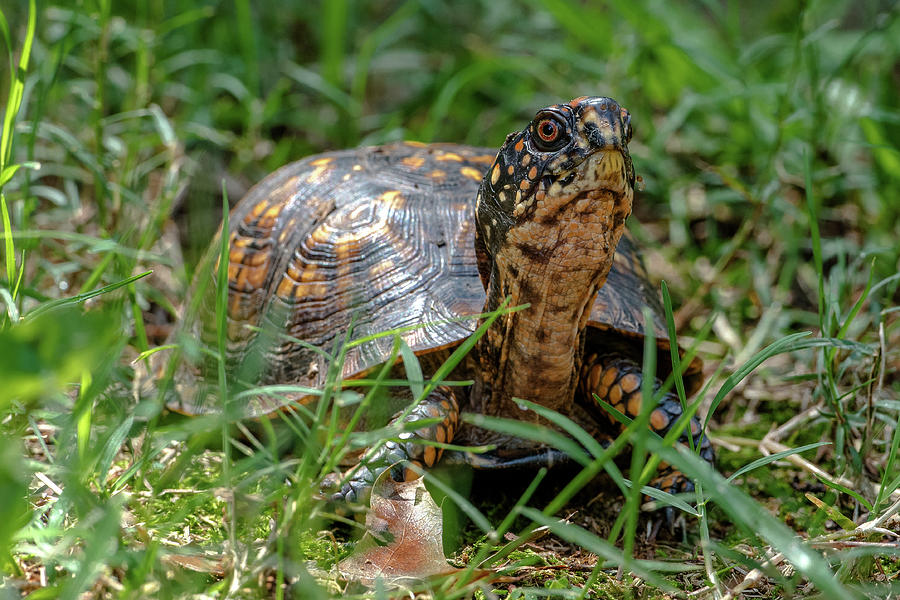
(412, 234)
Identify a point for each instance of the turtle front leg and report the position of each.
(617, 380)
(439, 404)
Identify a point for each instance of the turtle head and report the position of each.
(566, 176)
(549, 215)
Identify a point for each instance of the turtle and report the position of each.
(415, 238)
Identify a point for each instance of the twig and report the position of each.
(807, 415)
(836, 540)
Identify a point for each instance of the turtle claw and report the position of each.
(671, 482)
(353, 492)
(356, 491)
(656, 523)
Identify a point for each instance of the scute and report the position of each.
(375, 239)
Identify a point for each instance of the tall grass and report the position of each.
(766, 140)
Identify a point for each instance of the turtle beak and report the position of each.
(605, 125)
(606, 130)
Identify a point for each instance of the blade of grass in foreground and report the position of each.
(13, 104)
(603, 549)
(221, 340)
(62, 302)
(596, 449)
(752, 516)
(761, 462)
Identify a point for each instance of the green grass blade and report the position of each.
(765, 460)
(785, 344)
(9, 249)
(673, 346)
(859, 303)
(245, 27)
(811, 207)
(4, 30)
(12, 311)
(83, 417)
(844, 489)
(387, 30)
(461, 351)
(222, 297)
(664, 498)
(413, 369)
(566, 424)
(592, 543)
(751, 515)
(16, 88)
(529, 431)
(333, 39)
(8, 172)
(111, 447)
(477, 517)
(886, 489)
(63, 302)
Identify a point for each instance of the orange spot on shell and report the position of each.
(286, 288)
(413, 162)
(471, 173)
(317, 174)
(393, 197)
(449, 156)
(305, 273)
(520, 144)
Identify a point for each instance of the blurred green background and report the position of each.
(727, 99)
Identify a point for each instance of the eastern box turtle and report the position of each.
(416, 236)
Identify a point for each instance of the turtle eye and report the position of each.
(549, 133)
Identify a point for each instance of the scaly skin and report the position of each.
(401, 455)
(617, 380)
(547, 226)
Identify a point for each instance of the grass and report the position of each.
(766, 141)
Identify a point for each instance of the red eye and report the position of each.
(548, 130)
(549, 133)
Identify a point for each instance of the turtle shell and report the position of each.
(351, 244)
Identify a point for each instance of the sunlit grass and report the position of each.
(766, 140)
